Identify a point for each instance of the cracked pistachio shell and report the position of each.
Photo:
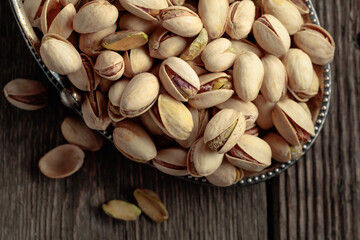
(62, 161)
(201, 161)
(286, 12)
(181, 21)
(95, 16)
(150, 125)
(241, 19)
(224, 130)
(250, 153)
(274, 85)
(196, 46)
(91, 43)
(133, 142)
(173, 117)
(179, 79)
(164, 44)
(214, 15)
(33, 9)
(139, 95)
(226, 175)
(281, 150)
(132, 22)
(110, 65)
(248, 109)
(309, 93)
(316, 42)
(248, 76)
(137, 61)
(292, 122)
(243, 45)
(171, 161)
(121, 210)
(125, 40)
(218, 55)
(151, 205)
(271, 35)
(145, 9)
(207, 99)
(116, 91)
(299, 69)
(264, 121)
(59, 55)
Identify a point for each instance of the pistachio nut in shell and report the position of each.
(110, 65)
(33, 9)
(133, 142)
(171, 161)
(215, 88)
(125, 40)
(214, 15)
(224, 130)
(59, 55)
(179, 79)
(264, 121)
(281, 150)
(316, 42)
(271, 35)
(151, 205)
(137, 60)
(95, 16)
(173, 117)
(218, 55)
(76, 132)
(62, 161)
(150, 125)
(26, 94)
(128, 21)
(116, 91)
(181, 21)
(202, 161)
(292, 122)
(250, 153)
(139, 95)
(196, 47)
(299, 69)
(147, 10)
(226, 175)
(311, 92)
(248, 76)
(121, 210)
(241, 19)
(243, 45)
(114, 113)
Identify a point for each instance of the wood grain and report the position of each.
(318, 198)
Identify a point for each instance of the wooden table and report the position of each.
(318, 198)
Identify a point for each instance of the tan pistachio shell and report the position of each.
(129, 21)
(301, 6)
(110, 65)
(309, 93)
(242, 45)
(226, 175)
(116, 91)
(150, 125)
(264, 121)
(33, 9)
(198, 66)
(137, 61)
(241, 19)
(171, 161)
(74, 2)
(145, 9)
(114, 113)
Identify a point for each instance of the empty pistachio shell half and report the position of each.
(121, 210)
(196, 47)
(131, 22)
(241, 19)
(224, 130)
(171, 161)
(133, 142)
(62, 161)
(125, 40)
(243, 45)
(110, 65)
(147, 10)
(150, 125)
(250, 153)
(264, 121)
(226, 175)
(151, 205)
(137, 60)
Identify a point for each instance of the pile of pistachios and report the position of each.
(208, 88)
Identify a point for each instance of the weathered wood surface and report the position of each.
(318, 198)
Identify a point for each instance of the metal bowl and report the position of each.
(71, 98)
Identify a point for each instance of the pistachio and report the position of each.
(132, 22)
(176, 2)
(105, 85)
(226, 175)
(125, 40)
(198, 66)
(281, 150)
(121, 210)
(114, 113)
(171, 161)
(137, 61)
(151, 205)
(242, 45)
(196, 47)
(62, 161)
(26, 94)
(264, 121)
(304, 96)
(241, 19)
(110, 65)
(33, 10)
(301, 6)
(150, 125)
(116, 91)
(147, 10)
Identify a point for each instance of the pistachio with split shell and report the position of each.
(243, 45)
(125, 40)
(139, 95)
(179, 79)
(226, 175)
(316, 42)
(121, 210)
(250, 153)
(264, 121)
(309, 93)
(299, 70)
(95, 16)
(114, 113)
(275, 81)
(151, 205)
(150, 125)
(281, 150)
(214, 15)
(115, 93)
(59, 55)
(147, 10)
(218, 55)
(171, 161)
(241, 19)
(215, 88)
(164, 44)
(181, 21)
(224, 130)
(110, 65)
(132, 22)
(248, 76)
(173, 117)
(202, 161)
(196, 47)
(137, 61)
(271, 35)
(33, 9)
(133, 142)
(292, 122)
